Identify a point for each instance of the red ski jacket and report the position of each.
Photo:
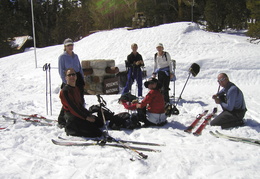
(154, 101)
(73, 102)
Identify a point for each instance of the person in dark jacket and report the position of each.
(232, 102)
(79, 121)
(68, 59)
(134, 63)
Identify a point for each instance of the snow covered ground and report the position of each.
(26, 150)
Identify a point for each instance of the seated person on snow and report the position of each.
(79, 121)
(232, 101)
(151, 109)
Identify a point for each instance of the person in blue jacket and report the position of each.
(68, 59)
(232, 102)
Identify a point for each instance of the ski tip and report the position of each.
(215, 110)
(196, 134)
(143, 156)
(188, 131)
(54, 141)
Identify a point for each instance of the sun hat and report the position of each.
(159, 45)
(68, 41)
(150, 81)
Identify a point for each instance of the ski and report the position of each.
(109, 140)
(198, 118)
(34, 116)
(37, 121)
(9, 118)
(241, 138)
(205, 122)
(236, 139)
(100, 143)
(27, 119)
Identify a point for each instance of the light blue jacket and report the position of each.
(66, 61)
(235, 98)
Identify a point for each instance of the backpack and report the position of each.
(124, 120)
(155, 55)
(127, 97)
(107, 113)
(118, 121)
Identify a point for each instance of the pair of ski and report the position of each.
(204, 123)
(109, 141)
(34, 118)
(236, 139)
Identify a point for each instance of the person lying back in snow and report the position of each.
(232, 102)
(79, 121)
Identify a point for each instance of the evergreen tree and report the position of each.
(5, 19)
(111, 14)
(237, 14)
(12, 24)
(215, 15)
(254, 26)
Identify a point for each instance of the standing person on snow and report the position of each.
(163, 68)
(134, 63)
(79, 121)
(232, 102)
(151, 109)
(69, 60)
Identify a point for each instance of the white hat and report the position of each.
(159, 45)
(68, 41)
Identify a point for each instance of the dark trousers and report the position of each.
(79, 127)
(228, 119)
(164, 80)
(134, 74)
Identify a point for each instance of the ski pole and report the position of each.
(194, 70)
(139, 154)
(45, 68)
(49, 66)
(174, 67)
(175, 111)
(218, 89)
(182, 90)
(217, 93)
(101, 104)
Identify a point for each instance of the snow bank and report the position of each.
(27, 151)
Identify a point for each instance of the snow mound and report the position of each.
(26, 148)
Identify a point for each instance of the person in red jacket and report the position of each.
(152, 106)
(79, 121)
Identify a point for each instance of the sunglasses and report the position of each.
(222, 79)
(72, 74)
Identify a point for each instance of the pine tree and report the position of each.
(237, 14)
(215, 15)
(7, 23)
(254, 26)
